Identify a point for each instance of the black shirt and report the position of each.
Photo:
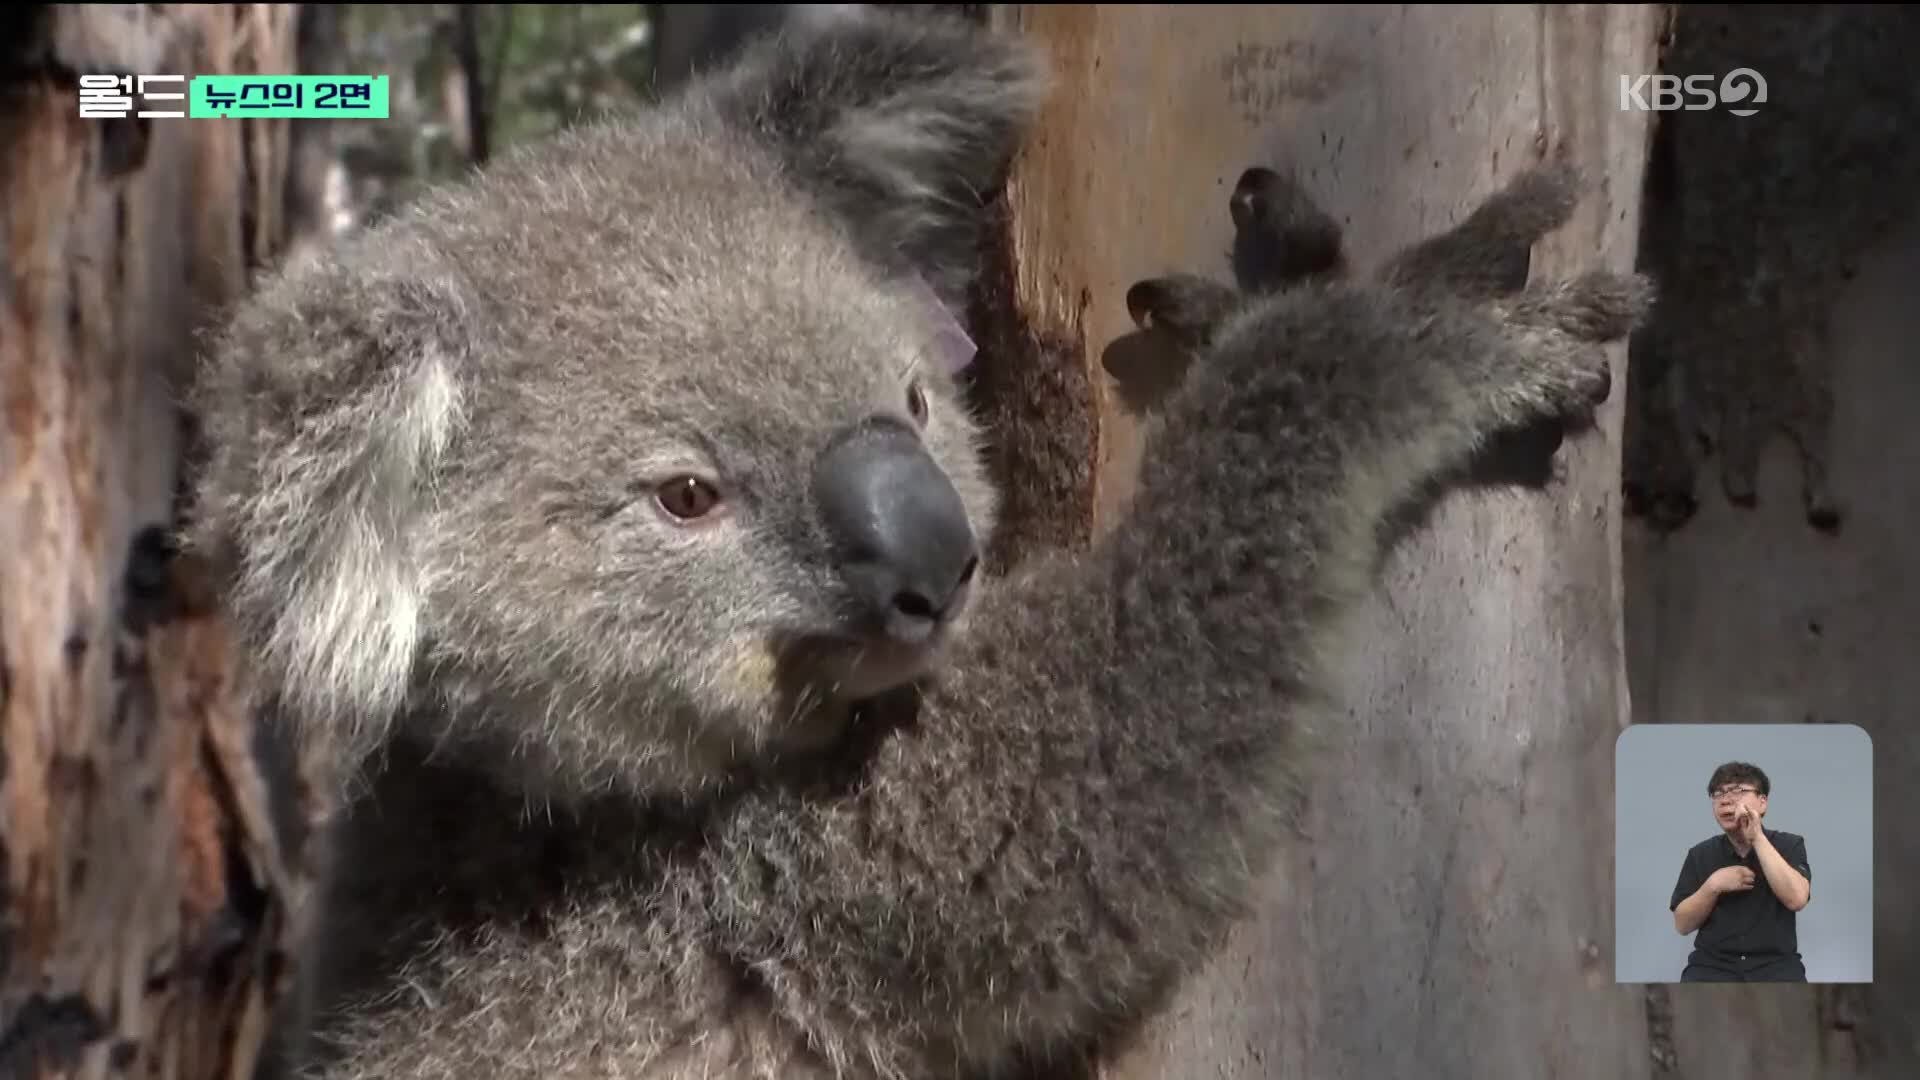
(1746, 929)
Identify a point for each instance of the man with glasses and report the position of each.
(1741, 888)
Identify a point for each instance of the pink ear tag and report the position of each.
(952, 349)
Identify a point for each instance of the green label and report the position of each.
(362, 97)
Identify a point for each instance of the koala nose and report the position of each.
(903, 539)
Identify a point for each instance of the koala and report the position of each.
(607, 527)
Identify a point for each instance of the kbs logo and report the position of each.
(1664, 93)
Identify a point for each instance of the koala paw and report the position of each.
(1185, 307)
(1281, 236)
(1557, 333)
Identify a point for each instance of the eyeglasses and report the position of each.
(1731, 793)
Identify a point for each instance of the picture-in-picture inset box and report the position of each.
(1743, 853)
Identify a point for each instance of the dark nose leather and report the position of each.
(902, 538)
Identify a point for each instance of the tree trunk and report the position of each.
(1449, 909)
(141, 887)
(315, 186)
(1750, 616)
(469, 102)
(1772, 580)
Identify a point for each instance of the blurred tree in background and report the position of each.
(466, 81)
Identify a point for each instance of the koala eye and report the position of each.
(687, 498)
(917, 402)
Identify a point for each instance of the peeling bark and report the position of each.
(141, 887)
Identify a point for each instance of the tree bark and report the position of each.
(1770, 461)
(142, 890)
(1448, 911)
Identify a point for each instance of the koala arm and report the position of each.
(1091, 787)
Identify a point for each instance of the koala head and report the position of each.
(630, 454)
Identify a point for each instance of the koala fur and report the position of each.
(630, 791)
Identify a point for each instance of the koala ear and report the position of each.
(901, 124)
(325, 406)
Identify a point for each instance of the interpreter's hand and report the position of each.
(1730, 879)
